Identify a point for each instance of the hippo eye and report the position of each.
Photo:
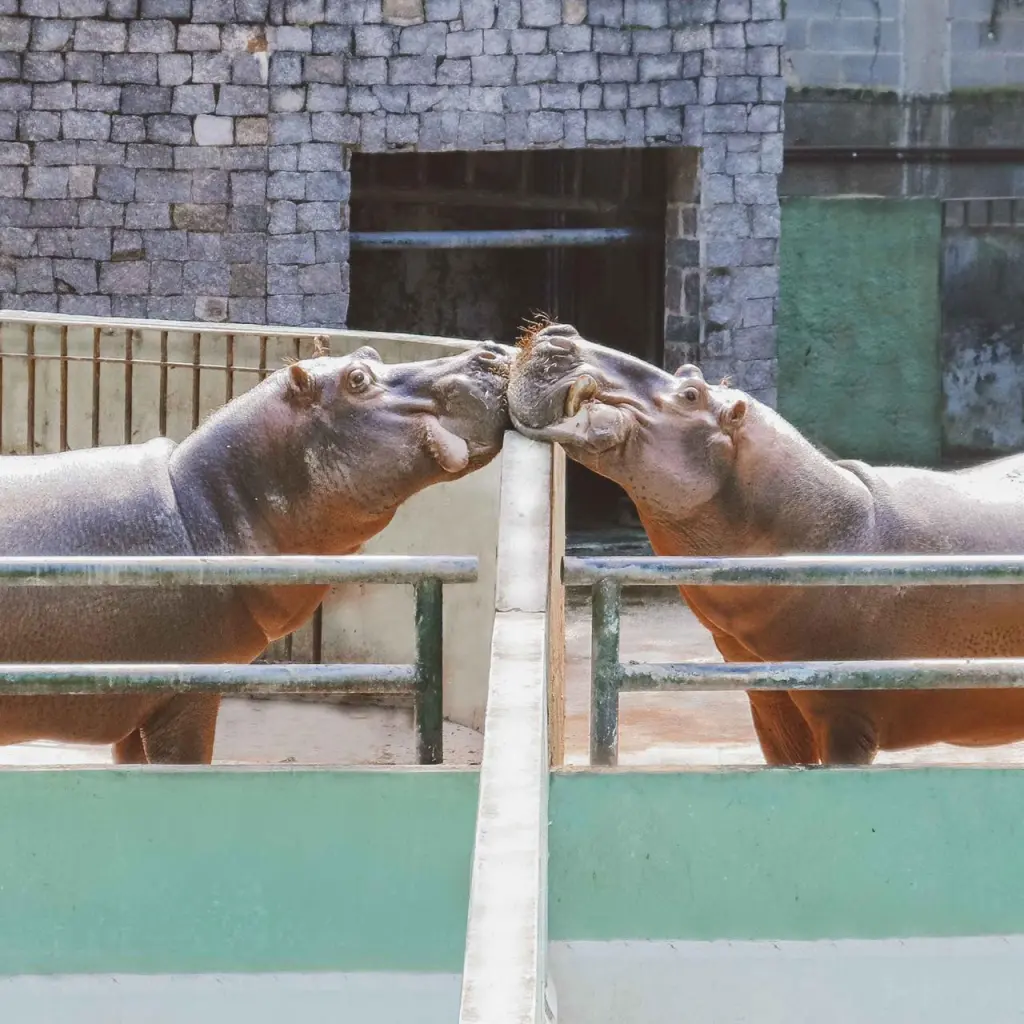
(691, 394)
(358, 380)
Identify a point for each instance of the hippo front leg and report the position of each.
(785, 737)
(844, 733)
(130, 750)
(181, 731)
(782, 731)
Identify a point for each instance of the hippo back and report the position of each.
(108, 501)
(969, 511)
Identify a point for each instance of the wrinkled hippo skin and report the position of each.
(715, 473)
(314, 460)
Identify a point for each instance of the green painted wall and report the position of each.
(784, 854)
(221, 870)
(859, 323)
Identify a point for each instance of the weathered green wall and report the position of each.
(785, 854)
(148, 870)
(859, 325)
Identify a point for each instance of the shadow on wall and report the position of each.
(983, 341)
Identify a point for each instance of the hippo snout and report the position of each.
(493, 355)
(560, 338)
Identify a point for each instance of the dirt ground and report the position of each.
(695, 729)
(287, 732)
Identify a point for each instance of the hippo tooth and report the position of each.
(583, 388)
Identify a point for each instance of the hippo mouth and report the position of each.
(467, 431)
(590, 419)
(583, 389)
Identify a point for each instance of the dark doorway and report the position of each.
(613, 294)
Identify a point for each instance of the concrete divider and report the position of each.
(505, 971)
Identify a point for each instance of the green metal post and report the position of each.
(429, 674)
(604, 674)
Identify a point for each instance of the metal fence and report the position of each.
(610, 676)
(422, 680)
(93, 370)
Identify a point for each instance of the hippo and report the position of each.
(314, 460)
(713, 472)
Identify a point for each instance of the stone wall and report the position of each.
(189, 158)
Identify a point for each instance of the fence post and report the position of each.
(429, 703)
(604, 674)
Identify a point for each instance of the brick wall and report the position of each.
(189, 158)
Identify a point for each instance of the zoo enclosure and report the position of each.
(73, 382)
(610, 676)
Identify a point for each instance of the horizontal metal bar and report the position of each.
(170, 364)
(270, 332)
(225, 570)
(799, 571)
(912, 674)
(526, 238)
(32, 680)
(495, 200)
(905, 154)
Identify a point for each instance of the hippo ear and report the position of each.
(367, 353)
(450, 451)
(303, 388)
(689, 371)
(732, 415)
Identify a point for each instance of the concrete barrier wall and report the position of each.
(781, 895)
(77, 381)
(255, 894)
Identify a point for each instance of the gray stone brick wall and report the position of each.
(912, 46)
(190, 158)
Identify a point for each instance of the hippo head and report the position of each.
(328, 448)
(668, 440)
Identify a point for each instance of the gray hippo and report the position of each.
(714, 472)
(313, 460)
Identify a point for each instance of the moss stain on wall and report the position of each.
(859, 326)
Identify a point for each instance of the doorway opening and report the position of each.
(613, 293)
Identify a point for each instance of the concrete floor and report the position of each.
(691, 729)
(657, 729)
(288, 732)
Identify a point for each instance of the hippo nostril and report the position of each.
(487, 356)
(560, 343)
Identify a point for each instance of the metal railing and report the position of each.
(610, 676)
(423, 680)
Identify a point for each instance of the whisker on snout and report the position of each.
(532, 326)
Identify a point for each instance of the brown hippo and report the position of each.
(314, 460)
(714, 472)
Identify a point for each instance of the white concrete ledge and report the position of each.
(113, 323)
(505, 969)
(845, 981)
(383, 997)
